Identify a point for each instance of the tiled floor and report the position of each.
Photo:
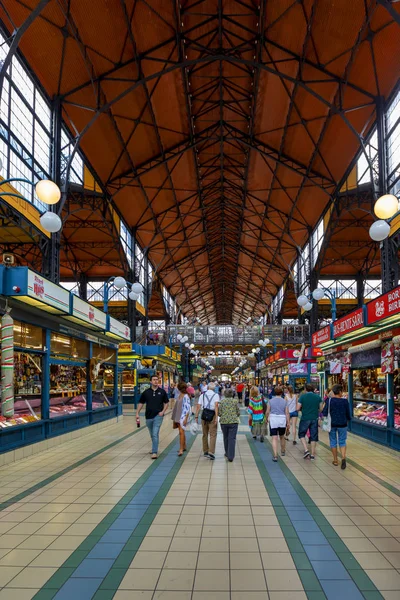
(96, 518)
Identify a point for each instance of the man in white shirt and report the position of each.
(208, 402)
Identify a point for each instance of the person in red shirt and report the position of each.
(240, 388)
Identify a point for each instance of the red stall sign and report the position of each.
(349, 323)
(384, 306)
(321, 336)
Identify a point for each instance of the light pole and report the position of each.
(120, 282)
(306, 302)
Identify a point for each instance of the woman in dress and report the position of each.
(180, 415)
(291, 399)
(257, 408)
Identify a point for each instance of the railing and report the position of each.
(229, 334)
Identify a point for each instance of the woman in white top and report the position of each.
(291, 399)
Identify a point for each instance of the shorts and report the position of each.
(337, 434)
(304, 426)
(277, 431)
(294, 414)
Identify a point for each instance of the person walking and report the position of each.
(291, 399)
(278, 417)
(208, 402)
(339, 410)
(157, 402)
(257, 409)
(246, 393)
(310, 405)
(229, 412)
(180, 415)
(240, 391)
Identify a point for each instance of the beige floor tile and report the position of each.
(277, 560)
(54, 529)
(360, 545)
(7, 573)
(167, 595)
(212, 560)
(17, 594)
(37, 542)
(247, 580)
(194, 519)
(385, 579)
(19, 558)
(176, 579)
(242, 531)
(386, 544)
(374, 531)
(273, 545)
(210, 581)
(348, 531)
(181, 560)
(243, 545)
(216, 531)
(133, 595)
(12, 541)
(80, 529)
(188, 530)
(287, 596)
(245, 560)
(140, 579)
(214, 544)
(269, 531)
(393, 558)
(277, 583)
(161, 531)
(207, 596)
(32, 577)
(148, 560)
(24, 529)
(180, 544)
(243, 520)
(150, 544)
(51, 558)
(372, 560)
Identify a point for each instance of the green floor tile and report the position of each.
(141, 529)
(284, 521)
(124, 559)
(294, 545)
(315, 596)
(59, 578)
(338, 546)
(76, 558)
(289, 531)
(113, 579)
(310, 581)
(45, 594)
(349, 561)
(301, 561)
(104, 595)
(362, 581)
(373, 596)
(329, 532)
(90, 542)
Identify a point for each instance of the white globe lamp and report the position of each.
(51, 222)
(386, 206)
(119, 283)
(318, 294)
(266, 341)
(302, 300)
(179, 337)
(379, 231)
(187, 345)
(261, 342)
(307, 306)
(133, 296)
(48, 192)
(192, 346)
(137, 288)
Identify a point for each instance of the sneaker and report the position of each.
(254, 437)
(306, 454)
(312, 457)
(274, 459)
(283, 453)
(262, 439)
(205, 454)
(154, 456)
(211, 456)
(294, 442)
(343, 465)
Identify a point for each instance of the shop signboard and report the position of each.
(119, 329)
(125, 347)
(45, 291)
(387, 357)
(321, 336)
(83, 311)
(384, 306)
(349, 323)
(297, 369)
(313, 368)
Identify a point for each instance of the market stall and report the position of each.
(56, 375)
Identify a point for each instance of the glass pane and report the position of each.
(103, 389)
(67, 390)
(27, 390)
(64, 346)
(369, 396)
(28, 336)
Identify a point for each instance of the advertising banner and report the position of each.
(297, 369)
(321, 336)
(384, 306)
(387, 358)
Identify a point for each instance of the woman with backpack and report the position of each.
(208, 402)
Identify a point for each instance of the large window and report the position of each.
(76, 169)
(363, 165)
(344, 288)
(317, 239)
(372, 289)
(393, 144)
(25, 127)
(126, 241)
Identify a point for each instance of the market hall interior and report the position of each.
(200, 299)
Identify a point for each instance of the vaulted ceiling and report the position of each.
(219, 128)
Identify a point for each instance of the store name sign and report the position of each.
(349, 323)
(321, 336)
(44, 290)
(86, 312)
(384, 306)
(119, 329)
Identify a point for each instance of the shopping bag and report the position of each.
(326, 423)
(193, 427)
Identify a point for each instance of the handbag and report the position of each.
(208, 415)
(327, 421)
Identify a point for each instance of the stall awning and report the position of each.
(33, 289)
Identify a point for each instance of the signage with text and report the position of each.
(45, 291)
(384, 306)
(89, 314)
(321, 336)
(349, 323)
(297, 369)
(119, 329)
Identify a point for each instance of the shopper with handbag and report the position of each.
(336, 415)
(229, 413)
(208, 402)
(180, 415)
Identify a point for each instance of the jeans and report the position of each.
(304, 426)
(229, 432)
(337, 434)
(153, 426)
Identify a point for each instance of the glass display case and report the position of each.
(27, 390)
(369, 396)
(67, 389)
(103, 389)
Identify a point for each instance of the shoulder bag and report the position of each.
(327, 421)
(208, 415)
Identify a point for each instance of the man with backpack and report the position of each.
(208, 402)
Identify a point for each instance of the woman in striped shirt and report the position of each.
(257, 409)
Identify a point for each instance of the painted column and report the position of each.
(390, 399)
(7, 365)
(46, 377)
